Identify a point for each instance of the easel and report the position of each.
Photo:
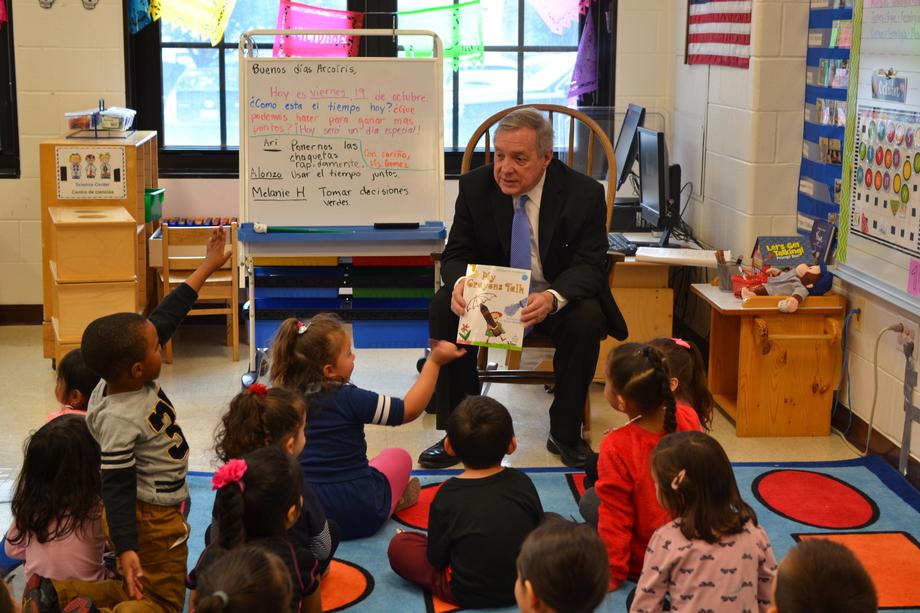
(911, 411)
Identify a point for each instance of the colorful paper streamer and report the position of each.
(458, 25)
(558, 15)
(297, 16)
(138, 15)
(584, 76)
(3, 16)
(205, 18)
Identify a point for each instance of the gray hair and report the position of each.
(529, 117)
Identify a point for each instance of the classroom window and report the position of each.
(193, 99)
(9, 136)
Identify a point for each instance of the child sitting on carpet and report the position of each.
(688, 380)
(478, 519)
(713, 555)
(638, 383)
(315, 359)
(246, 579)
(258, 499)
(56, 507)
(75, 383)
(260, 417)
(821, 576)
(562, 567)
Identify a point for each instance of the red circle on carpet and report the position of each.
(416, 516)
(815, 499)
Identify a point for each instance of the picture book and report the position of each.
(822, 239)
(782, 252)
(495, 296)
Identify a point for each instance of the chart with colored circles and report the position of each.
(886, 178)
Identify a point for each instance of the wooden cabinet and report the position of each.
(81, 178)
(774, 373)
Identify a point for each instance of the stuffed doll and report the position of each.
(797, 284)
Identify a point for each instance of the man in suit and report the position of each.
(528, 210)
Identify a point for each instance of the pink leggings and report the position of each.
(396, 466)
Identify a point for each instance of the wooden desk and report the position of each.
(646, 302)
(774, 373)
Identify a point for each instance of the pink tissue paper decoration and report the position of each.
(559, 14)
(913, 277)
(297, 16)
(2, 12)
(584, 76)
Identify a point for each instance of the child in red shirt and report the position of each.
(638, 383)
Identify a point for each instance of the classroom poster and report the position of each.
(90, 173)
(494, 298)
(885, 202)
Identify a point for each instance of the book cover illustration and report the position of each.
(494, 298)
(822, 239)
(782, 252)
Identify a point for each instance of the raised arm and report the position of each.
(418, 396)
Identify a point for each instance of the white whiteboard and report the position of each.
(880, 230)
(340, 141)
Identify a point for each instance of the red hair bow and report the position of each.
(258, 389)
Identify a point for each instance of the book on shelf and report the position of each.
(495, 296)
(822, 239)
(782, 252)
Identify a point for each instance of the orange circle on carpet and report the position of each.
(346, 584)
(815, 499)
(416, 516)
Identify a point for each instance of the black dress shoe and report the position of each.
(437, 457)
(574, 456)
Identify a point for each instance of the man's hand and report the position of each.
(132, 571)
(457, 302)
(218, 252)
(444, 352)
(537, 309)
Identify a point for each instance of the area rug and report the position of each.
(862, 503)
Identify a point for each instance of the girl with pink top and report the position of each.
(713, 556)
(57, 510)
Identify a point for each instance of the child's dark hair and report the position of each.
(301, 349)
(248, 578)
(566, 563)
(256, 505)
(258, 418)
(640, 374)
(696, 483)
(59, 487)
(479, 431)
(76, 375)
(686, 364)
(819, 575)
(111, 344)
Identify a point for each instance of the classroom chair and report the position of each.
(221, 292)
(578, 124)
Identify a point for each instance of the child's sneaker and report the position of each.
(39, 596)
(410, 494)
(80, 604)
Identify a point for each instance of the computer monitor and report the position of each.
(654, 189)
(627, 144)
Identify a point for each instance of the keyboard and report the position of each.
(618, 242)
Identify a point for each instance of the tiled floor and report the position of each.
(203, 379)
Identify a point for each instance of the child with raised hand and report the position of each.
(258, 500)
(245, 579)
(562, 567)
(261, 417)
(75, 383)
(713, 555)
(478, 519)
(637, 383)
(144, 452)
(689, 371)
(819, 575)
(56, 506)
(315, 358)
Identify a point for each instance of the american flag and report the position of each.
(719, 32)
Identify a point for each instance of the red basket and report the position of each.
(747, 280)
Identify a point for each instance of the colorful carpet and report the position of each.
(861, 503)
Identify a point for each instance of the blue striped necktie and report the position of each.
(520, 236)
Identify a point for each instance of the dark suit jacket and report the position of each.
(572, 240)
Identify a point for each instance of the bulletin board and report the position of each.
(879, 226)
(349, 141)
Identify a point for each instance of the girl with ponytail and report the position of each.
(245, 579)
(638, 383)
(262, 417)
(258, 499)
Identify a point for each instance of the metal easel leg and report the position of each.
(911, 411)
